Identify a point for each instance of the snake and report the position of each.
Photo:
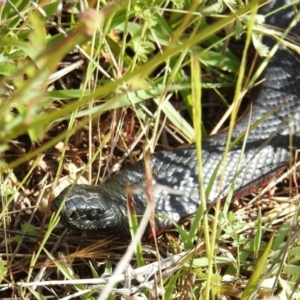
(254, 158)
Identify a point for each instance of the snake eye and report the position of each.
(93, 215)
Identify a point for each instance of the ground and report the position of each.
(86, 91)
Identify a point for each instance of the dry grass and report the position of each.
(80, 105)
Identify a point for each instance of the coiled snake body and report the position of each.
(267, 151)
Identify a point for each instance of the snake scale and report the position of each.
(267, 150)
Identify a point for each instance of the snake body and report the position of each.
(175, 190)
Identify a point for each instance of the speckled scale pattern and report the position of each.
(175, 188)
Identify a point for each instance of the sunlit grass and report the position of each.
(139, 83)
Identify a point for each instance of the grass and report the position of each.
(130, 85)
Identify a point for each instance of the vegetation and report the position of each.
(82, 84)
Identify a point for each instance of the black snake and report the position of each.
(176, 190)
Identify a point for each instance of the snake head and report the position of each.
(88, 208)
